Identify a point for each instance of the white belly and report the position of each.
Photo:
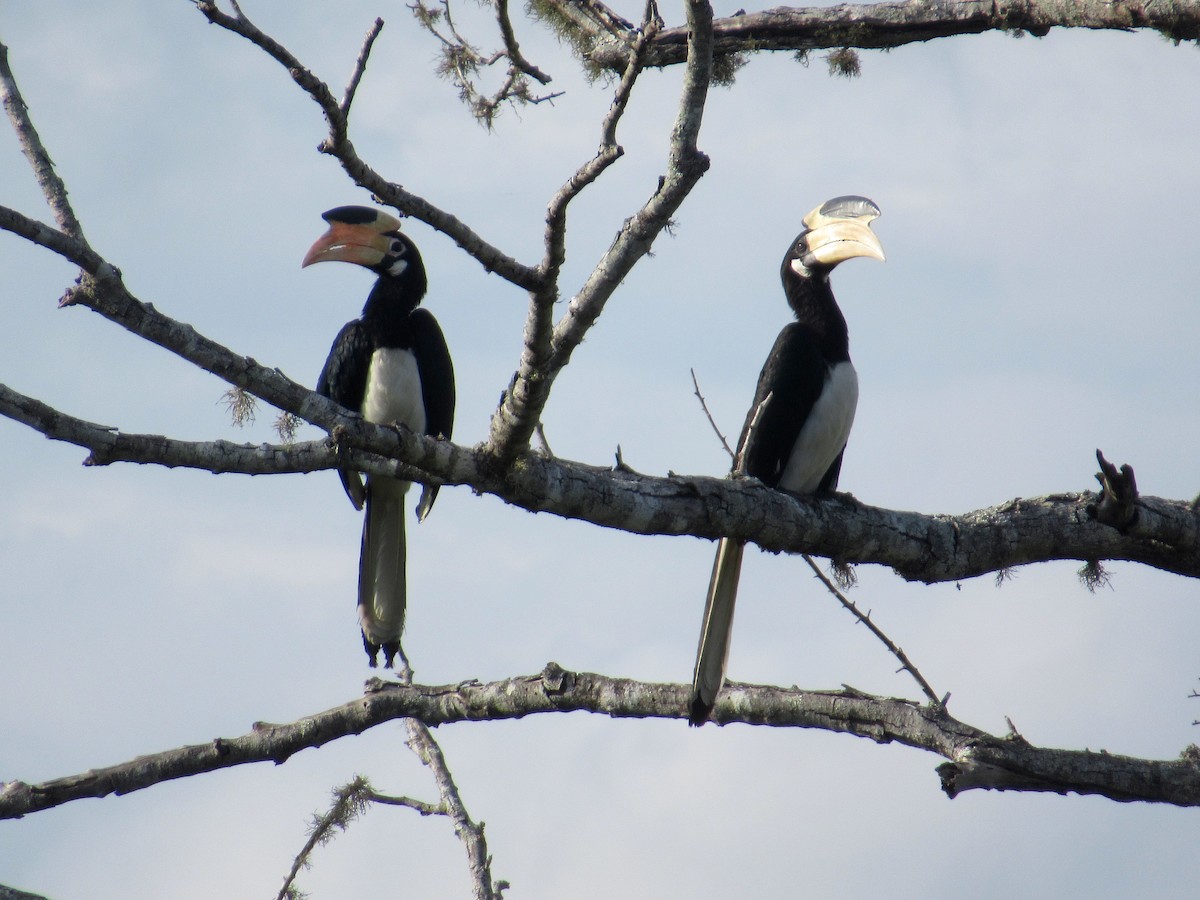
(394, 390)
(825, 432)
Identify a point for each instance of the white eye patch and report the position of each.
(397, 268)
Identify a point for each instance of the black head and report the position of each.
(369, 238)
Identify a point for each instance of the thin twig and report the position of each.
(469, 832)
(865, 618)
(349, 802)
(739, 464)
(424, 808)
(711, 420)
(461, 60)
(426, 748)
(360, 66)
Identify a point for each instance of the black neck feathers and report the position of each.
(393, 298)
(812, 302)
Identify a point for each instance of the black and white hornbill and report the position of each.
(797, 426)
(391, 366)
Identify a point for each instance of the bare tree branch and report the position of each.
(339, 146)
(512, 48)
(865, 618)
(70, 248)
(360, 68)
(469, 832)
(520, 409)
(514, 421)
(7, 893)
(420, 806)
(349, 802)
(604, 38)
(52, 186)
(980, 760)
(461, 61)
(929, 548)
(711, 420)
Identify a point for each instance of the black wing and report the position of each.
(344, 381)
(437, 373)
(437, 386)
(344, 377)
(793, 375)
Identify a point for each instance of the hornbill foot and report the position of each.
(390, 649)
(372, 650)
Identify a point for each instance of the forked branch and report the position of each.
(53, 188)
(519, 412)
(339, 146)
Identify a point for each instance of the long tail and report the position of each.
(382, 594)
(716, 630)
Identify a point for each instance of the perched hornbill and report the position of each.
(392, 366)
(797, 426)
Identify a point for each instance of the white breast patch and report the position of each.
(824, 433)
(394, 390)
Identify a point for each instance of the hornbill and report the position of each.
(797, 426)
(391, 366)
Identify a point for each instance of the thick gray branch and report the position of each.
(929, 548)
(69, 248)
(880, 719)
(877, 26)
(7, 893)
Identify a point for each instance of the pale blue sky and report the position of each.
(1038, 302)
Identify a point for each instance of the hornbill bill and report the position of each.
(797, 426)
(391, 366)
